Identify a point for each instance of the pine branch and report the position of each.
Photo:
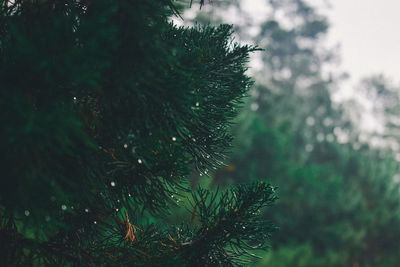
(108, 107)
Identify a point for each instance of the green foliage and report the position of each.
(231, 219)
(300, 255)
(339, 196)
(340, 203)
(107, 107)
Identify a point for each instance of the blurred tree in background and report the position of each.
(375, 112)
(339, 193)
(107, 107)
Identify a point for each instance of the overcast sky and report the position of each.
(367, 30)
(369, 34)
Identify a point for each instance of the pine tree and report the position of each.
(107, 107)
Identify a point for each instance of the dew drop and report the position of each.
(27, 213)
(112, 183)
(63, 207)
(139, 161)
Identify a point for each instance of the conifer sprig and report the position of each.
(107, 108)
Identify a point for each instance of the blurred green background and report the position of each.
(338, 183)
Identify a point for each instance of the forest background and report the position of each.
(339, 198)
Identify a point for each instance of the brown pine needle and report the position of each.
(171, 238)
(130, 230)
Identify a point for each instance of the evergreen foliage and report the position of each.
(106, 109)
